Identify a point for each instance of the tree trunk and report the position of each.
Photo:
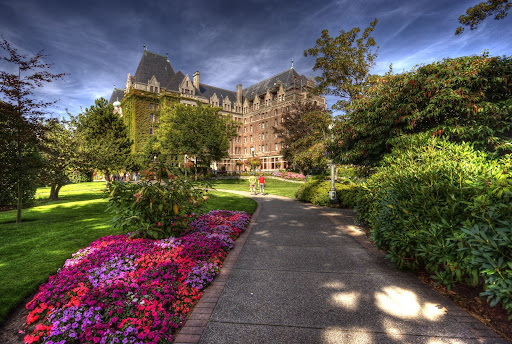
(20, 200)
(54, 192)
(107, 179)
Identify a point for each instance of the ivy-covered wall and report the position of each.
(137, 114)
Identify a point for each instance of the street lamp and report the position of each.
(185, 165)
(332, 191)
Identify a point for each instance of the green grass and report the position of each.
(52, 231)
(272, 186)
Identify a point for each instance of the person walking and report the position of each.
(261, 181)
(252, 184)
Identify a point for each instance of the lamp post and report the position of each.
(185, 165)
(332, 192)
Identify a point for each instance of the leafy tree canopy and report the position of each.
(59, 152)
(478, 13)
(464, 99)
(103, 137)
(345, 62)
(200, 131)
(302, 131)
(21, 116)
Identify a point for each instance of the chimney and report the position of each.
(239, 93)
(196, 80)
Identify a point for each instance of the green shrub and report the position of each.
(151, 209)
(316, 191)
(444, 207)
(76, 177)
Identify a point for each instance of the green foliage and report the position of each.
(302, 132)
(21, 118)
(78, 176)
(103, 137)
(445, 207)
(316, 191)
(478, 13)
(345, 62)
(200, 131)
(464, 99)
(59, 151)
(154, 209)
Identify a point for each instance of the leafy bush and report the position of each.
(9, 194)
(152, 209)
(447, 208)
(316, 191)
(76, 177)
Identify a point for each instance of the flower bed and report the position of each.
(127, 290)
(289, 175)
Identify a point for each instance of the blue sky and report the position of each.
(229, 42)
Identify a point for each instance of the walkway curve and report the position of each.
(306, 274)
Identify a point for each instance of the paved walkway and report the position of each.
(306, 274)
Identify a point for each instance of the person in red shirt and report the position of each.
(261, 182)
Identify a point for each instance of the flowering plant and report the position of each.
(132, 290)
(153, 210)
(289, 175)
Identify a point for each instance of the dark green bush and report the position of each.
(316, 191)
(444, 207)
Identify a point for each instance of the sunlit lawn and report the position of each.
(52, 231)
(272, 186)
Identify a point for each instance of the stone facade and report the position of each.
(258, 108)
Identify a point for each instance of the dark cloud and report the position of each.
(229, 42)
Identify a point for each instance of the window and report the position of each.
(275, 147)
(151, 105)
(245, 150)
(251, 138)
(275, 122)
(151, 117)
(150, 88)
(275, 112)
(251, 129)
(150, 130)
(263, 147)
(245, 139)
(245, 130)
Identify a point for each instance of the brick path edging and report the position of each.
(197, 320)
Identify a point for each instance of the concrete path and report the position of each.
(306, 274)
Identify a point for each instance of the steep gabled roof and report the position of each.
(153, 64)
(117, 94)
(174, 83)
(286, 78)
(221, 93)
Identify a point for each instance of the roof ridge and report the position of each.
(218, 88)
(273, 76)
(146, 51)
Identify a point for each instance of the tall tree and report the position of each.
(345, 62)
(23, 112)
(59, 152)
(303, 130)
(478, 13)
(200, 131)
(103, 138)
